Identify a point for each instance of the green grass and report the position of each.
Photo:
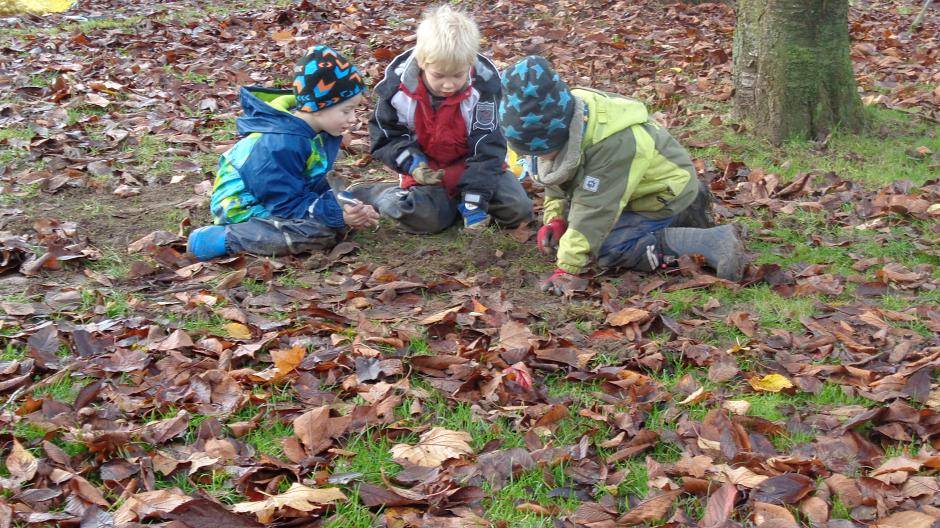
(875, 157)
(10, 352)
(769, 405)
(529, 487)
(373, 457)
(350, 514)
(267, 436)
(112, 304)
(64, 390)
(216, 483)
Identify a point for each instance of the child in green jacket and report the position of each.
(618, 187)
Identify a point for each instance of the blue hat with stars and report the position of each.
(536, 108)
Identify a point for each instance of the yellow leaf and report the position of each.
(286, 360)
(770, 383)
(297, 497)
(436, 446)
(37, 7)
(238, 331)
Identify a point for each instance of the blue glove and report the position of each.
(417, 158)
(473, 216)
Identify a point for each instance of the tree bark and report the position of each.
(792, 71)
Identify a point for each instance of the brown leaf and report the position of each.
(515, 336)
(21, 464)
(744, 322)
(899, 463)
(627, 316)
(771, 515)
(313, 430)
(906, 519)
(142, 505)
(719, 507)
(788, 488)
(593, 515)
(816, 510)
(649, 510)
(436, 446)
(846, 489)
(177, 340)
(202, 513)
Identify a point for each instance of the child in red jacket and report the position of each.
(436, 124)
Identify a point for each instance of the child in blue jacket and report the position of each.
(271, 195)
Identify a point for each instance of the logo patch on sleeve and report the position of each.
(591, 184)
(484, 117)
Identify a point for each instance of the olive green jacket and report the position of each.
(616, 159)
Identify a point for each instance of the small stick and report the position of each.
(915, 25)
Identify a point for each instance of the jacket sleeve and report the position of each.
(392, 143)
(555, 204)
(487, 150)
(601, 190)
(274, 173)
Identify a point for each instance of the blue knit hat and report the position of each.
(536, 108)
(324, 78)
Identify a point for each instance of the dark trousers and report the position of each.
(274, 236)
(428, 208)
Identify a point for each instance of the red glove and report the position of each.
(549, 234)
(559, 283)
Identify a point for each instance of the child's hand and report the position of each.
(362, 215)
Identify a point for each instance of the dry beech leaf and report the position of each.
(435, 446)
(297, 497)
(649, 510)
(21, 464)
(627, 316)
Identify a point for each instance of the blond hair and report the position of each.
(447, 38)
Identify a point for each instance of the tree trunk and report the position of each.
(792, 71)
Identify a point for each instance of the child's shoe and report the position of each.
(473, 217)
(207, 242)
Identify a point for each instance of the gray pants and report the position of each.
(428, 209)
(274, 236)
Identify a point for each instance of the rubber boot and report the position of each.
(721, 247)
(369, 192)
(207, 242)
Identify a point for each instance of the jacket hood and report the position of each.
(609, 114)
(268, 110)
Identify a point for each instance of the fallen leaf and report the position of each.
(788, 488)
(238, 331)
(649, 510)
(719, 507)
(627, 316)
(297, 497)
(773, 515)
(770, 383)
(434, 447)
(286, 360)
(906, 519)
(21, 464)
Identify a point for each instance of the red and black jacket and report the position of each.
(461, 136)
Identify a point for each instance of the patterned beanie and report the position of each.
(324, 78)
(536, 107)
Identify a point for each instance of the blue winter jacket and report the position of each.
(279, 166)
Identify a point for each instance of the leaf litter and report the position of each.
(122, 413)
